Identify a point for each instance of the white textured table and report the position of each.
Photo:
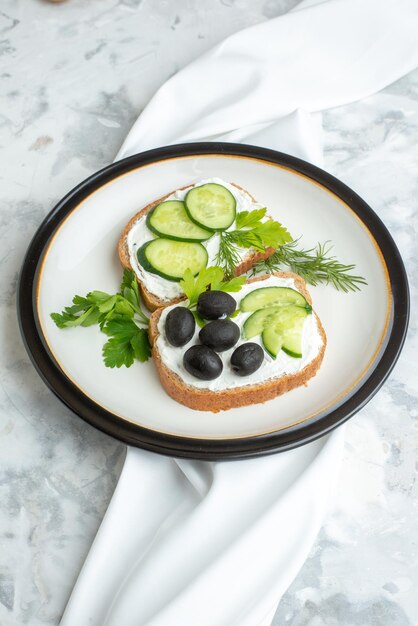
(75, 76)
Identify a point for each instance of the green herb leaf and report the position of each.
(79, 304)
(120, 327)
(235, 284)
(118, 352)
(129, 294)
(243, 239)
(127, 343)
(127, 279)
(130, 291)
(248, 219)
(62, 319)
(188, 284)
(123, 307)
(107, 305)
(208, 278)
(68, 320)
(95, 317)
(141, 345)
(95, 297)
(272, 234)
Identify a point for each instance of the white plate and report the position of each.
(75, 252)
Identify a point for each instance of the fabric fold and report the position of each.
(176, 548)
(314, 58)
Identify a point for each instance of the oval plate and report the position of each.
(74, 251)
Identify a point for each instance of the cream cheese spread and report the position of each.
(270, 368)
(140, 234)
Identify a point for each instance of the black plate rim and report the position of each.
(210, 449)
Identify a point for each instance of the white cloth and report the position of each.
(217, 544)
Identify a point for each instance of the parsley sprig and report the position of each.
(316, 265)
(127, 342)
(118, 315)
(250, 232)
(208, 278)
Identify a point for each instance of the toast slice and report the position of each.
(208, 400)
(154, 300)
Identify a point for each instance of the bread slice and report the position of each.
(215, 401)
(151, 300)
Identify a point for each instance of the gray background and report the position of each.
(74, 77)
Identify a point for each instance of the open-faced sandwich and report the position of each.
(192, 228)
(248, 347)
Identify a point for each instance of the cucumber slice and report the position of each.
(292, 340)
(170, 220)
(281, 327)
(211, 206)
(272, 316)
(170, 259)
(272, 296)
(272, 340)
(286, 337)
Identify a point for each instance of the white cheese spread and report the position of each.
(270, 368)
(140, 234)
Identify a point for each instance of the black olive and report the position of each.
(220, 335)
(202, 362)
(215, 304)
(247, 358)
(179, 326)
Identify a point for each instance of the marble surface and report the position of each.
(74, 77)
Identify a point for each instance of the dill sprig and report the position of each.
(315, 265)
(230, 244)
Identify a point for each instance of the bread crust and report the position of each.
(151, 301)
(215, 401)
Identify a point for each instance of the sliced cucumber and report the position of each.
(292, 340)
(272, 296)
(286, 337)
(272, 316)
(211, 206)
(170, 220)
(281, 328)
(170, 259)
(255, 323)
(272, 340)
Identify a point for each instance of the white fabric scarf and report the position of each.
(217, 544)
